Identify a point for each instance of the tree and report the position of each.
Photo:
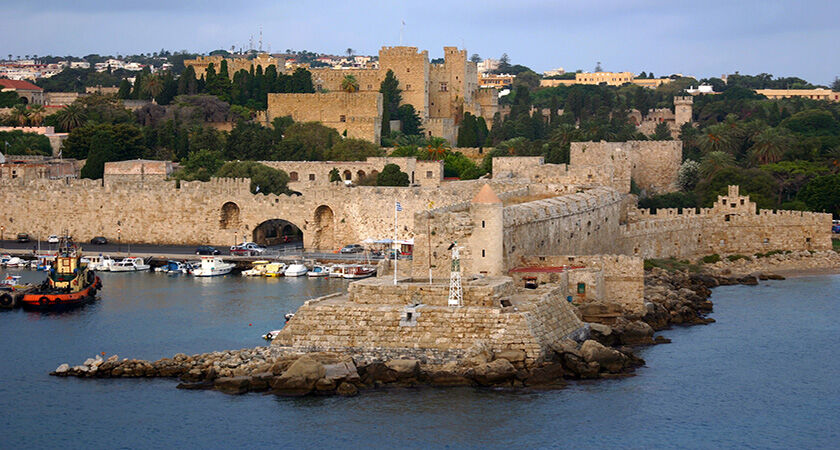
(9, 99)
(391, 175)
(504, 64)
(353, 150)
(152, 86)
(717, 138)
(249, 141)
(16, 142)
(714, 162)
(835, 86)
(187, 82)
(475, 58)
(20, 114)
(306, 141)
(125, 90)
(334, 175)
(349, 84)
(662, 132)
(823, 194)
(436, 148)
(350, 52)
(264, 179)
(688, 175)
(770, 145)
(36, 115)
(391, 98)
(598, 67)
(200, 165)
(411, 123)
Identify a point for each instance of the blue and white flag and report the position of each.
(399, 207)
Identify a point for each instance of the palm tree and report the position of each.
(350, 52)
(70, 117)
(770, 146)
(437, 148)
(716, 138)
(152, 85)
(20, 114)
(36, 114)
(349, 84)
(714, 162)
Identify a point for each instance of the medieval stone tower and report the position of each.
(487, 241)
(412, 70)
(682, 110)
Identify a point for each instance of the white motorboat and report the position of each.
(130, 264)
(319, 271)
(274, 269)
(295, 270)
(14, 261)
(174, 267)
(103, 263)
(271, 335)
(212, 266)
(257, 269)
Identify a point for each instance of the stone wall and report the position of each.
(307, 174)
(653, 164)
(136, 171)
(356, 115)
(264, 60)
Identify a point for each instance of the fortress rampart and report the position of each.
(307, 174)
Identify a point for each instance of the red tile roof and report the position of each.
(19, 85)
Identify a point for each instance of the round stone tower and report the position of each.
(486, 246)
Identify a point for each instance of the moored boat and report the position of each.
(212, 266)
(68, 283)
(173, 267)
(357, 272)
(275, 269)
(257, 269)
(318, 271)
(295, 270)
(337, 271)
(130, 264)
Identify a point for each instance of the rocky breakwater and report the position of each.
(264, 369)
(771, 264)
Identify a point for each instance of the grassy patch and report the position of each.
(737, 257)
(835, 244)
(710, 259)
(671, 265)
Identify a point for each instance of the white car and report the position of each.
(53, 239)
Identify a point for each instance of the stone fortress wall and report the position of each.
(355, 115)
(201, 63)
(306, 174)
(654, 165)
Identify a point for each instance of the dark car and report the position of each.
(835, 228)
(352, 248)
(207, 250)
(99, 240)
(22, 237)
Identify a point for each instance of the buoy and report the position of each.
(249, 324)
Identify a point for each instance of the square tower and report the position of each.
(682, 110)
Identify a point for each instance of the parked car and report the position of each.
(99, 240)
(53, 239)
(23, 237)
(247, 249)
(352, 248)
(207, 250)
(835, 228)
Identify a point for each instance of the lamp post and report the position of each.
(119, 239)
(2, 232)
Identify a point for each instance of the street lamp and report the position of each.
(119, 239)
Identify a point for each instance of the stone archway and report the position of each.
(348, 175)
(324, 228)
(277, 232)
(360, 174)
(229, 218)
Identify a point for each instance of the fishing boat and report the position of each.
(130, 264)
(14, 261)
(257, 269)
(173, 267)
(356, 272)
(337, 271)
(275, 269)
(212, 266)
(319, 271)
(295, 269)
(68, 283)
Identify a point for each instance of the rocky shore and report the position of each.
(776, 263)
(671, 298)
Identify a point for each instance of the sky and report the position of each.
(701, 38)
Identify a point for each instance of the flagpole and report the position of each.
(396, 255)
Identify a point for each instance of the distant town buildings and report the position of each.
(814, 94)
(501, 81)
(554, 72)
(608, 78)
(33, 94)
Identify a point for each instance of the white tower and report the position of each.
(456, 297)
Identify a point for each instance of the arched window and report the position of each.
(293, 176)
(348, 175)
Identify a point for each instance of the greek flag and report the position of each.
(399, 207)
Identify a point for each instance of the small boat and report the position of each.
(357, 272)
(69, 282)
(130, 264)
(105, 263)
(257, 269)
(173, 267)
(212, 266)
(11, 282)
(288, 316)
(275, 269)
(319, 271)
(337, 271)
(14, 261)
(271, 335)
(42, 263)
(295, 270)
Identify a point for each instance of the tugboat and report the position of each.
(69, 282)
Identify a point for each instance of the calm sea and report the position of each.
(765, 375)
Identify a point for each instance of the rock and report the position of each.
(347, 390)
(446, 375)
(637, 333)
(547, 375)
(261, 381)
(748, 280)
(64, 368)
(195, 386)
(281, 365)
(494, 372)
(609, 359)
(514, 356)
(580, 368)
(378, 373)
(342, 371)
(232, 385)
(602, 333)
(661, 340)
(300, 377)
(325, 385)
(404, 368)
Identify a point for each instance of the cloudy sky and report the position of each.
(701, 38)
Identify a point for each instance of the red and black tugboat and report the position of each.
(69, 282)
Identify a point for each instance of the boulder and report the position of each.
(261, 381)
(64, 368)
(325, 384)
(637, 333)
(579, 367)
(494, 372)
(609, 359)
(445, 375)
(232, 385)
(404, 368)
(748, 280)
(342, 371)
(377, 372)
(300, 377)
(514, 356)
(346, 389)
(546, 375)
(602, 333)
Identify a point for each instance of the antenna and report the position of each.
(402, 30)
(260, 38)
(251, 43)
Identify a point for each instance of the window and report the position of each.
(482, 253)
(429, 174)
(370, 86)
(293, 176)
(766, 240)
(342, 118)
(581, 288)
(407, 87)
(482, 224)
(408, 69)
(444, 87)
(311, 177)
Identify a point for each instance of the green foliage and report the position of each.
(458, 165)
(9, 99)
(353, 150)
(75, 80)
(309, 141)
(104, 109)
(411, 123)
(264, 179)
(334, 175)
(662, 132)
(737, 257)
(710, 259)
(391, 175)
(124, 141)
(671, 265)
(249, 141)
(822, 194)
(200, 165)
(408, 151)
(391, 98)
(17, 142)
(756, 183)
(669, 200)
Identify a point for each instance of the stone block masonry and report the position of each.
(356, 115)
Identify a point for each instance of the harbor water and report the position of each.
(764, 375)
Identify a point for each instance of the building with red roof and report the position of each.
(33, 94)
